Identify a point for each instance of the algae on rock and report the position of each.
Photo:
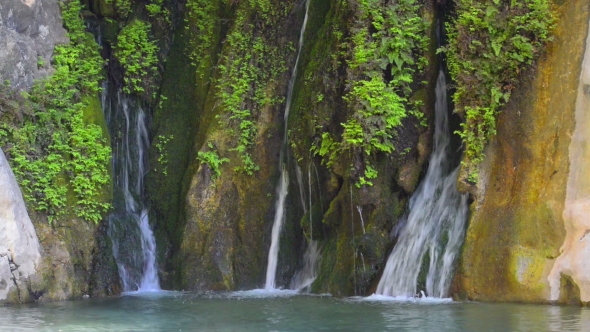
(352, 223)
(232, 93)
(517, 226)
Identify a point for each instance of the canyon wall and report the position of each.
(45, 257)
(525, 202)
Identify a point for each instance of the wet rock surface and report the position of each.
(517, 224)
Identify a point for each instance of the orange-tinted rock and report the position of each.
(517, 223)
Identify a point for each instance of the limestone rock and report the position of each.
(526, 207)
(20, 245)
(573, 261)
(29, 31)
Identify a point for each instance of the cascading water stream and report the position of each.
(283, 184)
(304, 278)
(134, 245)
(435, 227)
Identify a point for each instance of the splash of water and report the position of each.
(304, 278)
(435, 227)
(283, 185)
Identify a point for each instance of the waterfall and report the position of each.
(134, 245)
(304, 278)
(301, 191)
(360, 210)
(283, 185)
(310, 204)
(435, 227)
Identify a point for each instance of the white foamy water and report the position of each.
(405, 299)
(304, 278)
(149, 279)
(435, 227)
(262, 293)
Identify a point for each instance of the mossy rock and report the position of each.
(516, 226)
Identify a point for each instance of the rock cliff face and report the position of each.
(573, 259)
(217, 129)
(19, 246)
(224, 221)
(530, 197)
(351, 224)
(29, 30)
(70, 257)
(39, 261)
(214, 229)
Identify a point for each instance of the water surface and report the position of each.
(282, 311)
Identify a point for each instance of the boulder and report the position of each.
(19, 245)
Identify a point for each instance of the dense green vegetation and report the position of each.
(490, 43)
(388, 60)
(385, 57)
(245, 72)
(201, 22)
(123, 7)
(137, 53)
(54, 149)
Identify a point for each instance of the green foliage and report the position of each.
(381, 111)
(265, 9)
(385, 56)
(397, 50)
(328, 149)
(161, 145)
(51, 148)
(137, 53)
(123, 6)
(201, 21)
(251, 65)
(490, 43)
(211, 158)
(90, 160)
(370, 173)
(158, 11)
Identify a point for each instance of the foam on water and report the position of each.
(263, 293)
(405, 299)
(152, 293)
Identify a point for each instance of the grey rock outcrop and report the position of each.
(29, 31)
(19, 245)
